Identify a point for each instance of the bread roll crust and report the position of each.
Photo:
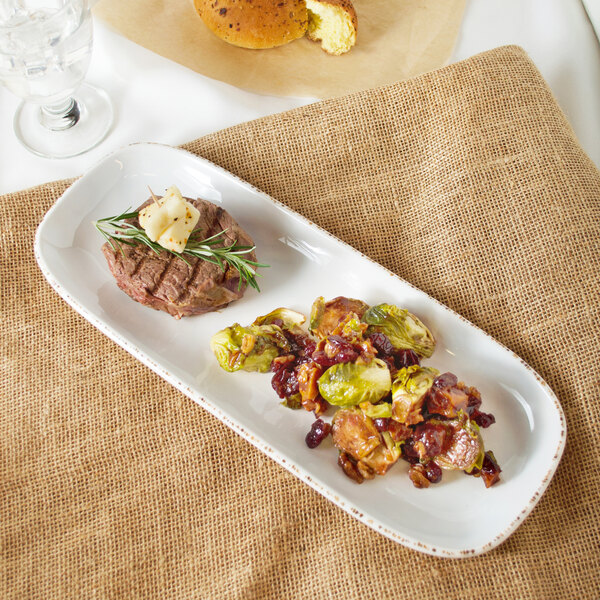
(255, 23)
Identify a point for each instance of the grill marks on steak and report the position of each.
(166, 283)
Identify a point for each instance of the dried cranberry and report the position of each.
(283, 362)
(284, 381)
(433, 472)
(308, 346)
(301, 345)
(337, 341)
(385, 350)
(406, 358)
(343, 349)
(293, 342)
(391, 365)
(322, 359)
(445, 380)
(474, 401)
(382, 344)
(431, 440)
(285, 368)
(344, 356)
(339, 350)
(318, 432)
(482, 419)
(409, 453)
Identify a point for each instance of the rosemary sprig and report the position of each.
(117, 230)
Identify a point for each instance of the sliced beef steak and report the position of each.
(165, 282)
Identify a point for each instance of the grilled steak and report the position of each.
(165, 282)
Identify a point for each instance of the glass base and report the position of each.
(92, 122)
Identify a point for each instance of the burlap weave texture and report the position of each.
(469, 183)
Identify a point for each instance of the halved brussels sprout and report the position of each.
(294, 402)
(326, 316)
(391, 444)
(289, 318)
(465, 451)
(250, 348)
(381, 459)
(348, 384)
(404, 330)
(376, 411)
(354, 433)
(408, 393)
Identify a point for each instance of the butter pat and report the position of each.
(170, 222)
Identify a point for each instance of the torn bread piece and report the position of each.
(333, 23)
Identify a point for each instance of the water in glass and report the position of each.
(45, 49)
(44, 52)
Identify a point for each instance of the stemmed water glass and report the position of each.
(45, 48)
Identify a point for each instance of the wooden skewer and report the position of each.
(154, 196)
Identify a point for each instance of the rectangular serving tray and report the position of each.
(456, 518)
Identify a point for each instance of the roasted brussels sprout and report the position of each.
(355, 435)
(408, 393)
(284, 317)
(376, 411)
(380, 460)
(249, 348)
(326, 316)
(403, 329)
(349, 384)
(465, 450)
(366, 362)
(294, 402)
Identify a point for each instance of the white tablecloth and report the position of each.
(160, 101)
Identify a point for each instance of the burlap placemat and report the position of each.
(469, 183)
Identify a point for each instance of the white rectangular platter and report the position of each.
(456, 518)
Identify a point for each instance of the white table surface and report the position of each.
(160, 101)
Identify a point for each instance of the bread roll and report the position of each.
(333, 23)
(255, 23)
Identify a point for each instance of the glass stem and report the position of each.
(61, 116)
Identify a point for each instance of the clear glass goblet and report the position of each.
(45, 49)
